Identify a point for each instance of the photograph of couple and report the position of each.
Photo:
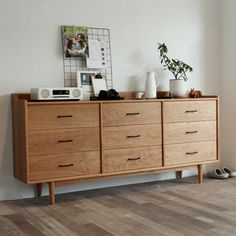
(75, 41)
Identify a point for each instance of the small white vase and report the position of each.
(178, 88)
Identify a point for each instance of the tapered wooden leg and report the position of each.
(39, 189)
(178, 174)
(200, 176)
(51, 186)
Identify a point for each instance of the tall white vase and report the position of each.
(178, 87)
(151, 85)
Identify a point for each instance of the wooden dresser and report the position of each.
(64, 142)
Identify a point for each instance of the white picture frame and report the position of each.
(84, 79)
(99, 84)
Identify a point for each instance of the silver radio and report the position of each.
(75, 93)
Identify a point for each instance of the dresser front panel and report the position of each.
(132, 158)
(189, 132)
(63, 141)
(131, 136)
(185, 111)
(64, 165)
(184, 153)
(44, 117)
(131, 113)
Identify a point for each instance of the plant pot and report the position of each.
(178, 87)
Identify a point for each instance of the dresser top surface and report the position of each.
(26, 97)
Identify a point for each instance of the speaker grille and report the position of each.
(45, 93)
(76, 93)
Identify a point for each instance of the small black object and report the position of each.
(111, 94)
(165, 97)
(102, 94)
(98, 76)
(93, 98)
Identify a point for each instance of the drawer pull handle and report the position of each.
(68, 165)
(191, 153)
(191, 111)
(133, 136)
(133, 158)
(65, 141)
(191, 132)
(133, 114)
(66, 116)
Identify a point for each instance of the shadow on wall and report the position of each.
(136, 59)
(59, 44)
(211, 54)
(9, 185)
(137, 81)
(5, 135)
(211, 48)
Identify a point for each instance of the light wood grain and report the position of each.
(189, 132)
(111, 175)
(131, 113)
(181, 111)
(132, 158)
(190, 152)
(218, 128)
(101, 136)
(59, 133)
(128, 97)
(63, 141)
(44, 117)
(64, 165)
(132, 136)
(20, 138)
(52, 189)
(200, 173)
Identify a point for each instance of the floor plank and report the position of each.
(174, 207)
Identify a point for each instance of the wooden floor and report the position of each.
(177, 207)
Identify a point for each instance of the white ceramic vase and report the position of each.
(178, 87)
(151, 85)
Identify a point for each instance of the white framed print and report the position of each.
(84, 79)
(99, 83)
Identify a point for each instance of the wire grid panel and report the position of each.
(72, 65)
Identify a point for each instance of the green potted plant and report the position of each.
(178, 69)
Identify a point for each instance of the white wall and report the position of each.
(228, 83)
(30, 54)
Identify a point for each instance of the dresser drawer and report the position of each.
(131, 113)
(133, 158)
(189, 132)
(189, 153)
(43, 117)
(131, 136)
(181, 111)
(64, 165)
(63, 141)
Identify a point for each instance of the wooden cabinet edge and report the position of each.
(218, 129)
(127, 99)
(84, 178)
(20, 140)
